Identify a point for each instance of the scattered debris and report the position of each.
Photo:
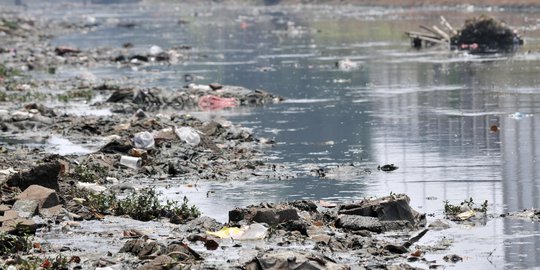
(483, 34)
(387, 168)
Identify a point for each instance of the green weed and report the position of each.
(452, 210)
(143, 205)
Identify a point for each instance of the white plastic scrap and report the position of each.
(143, 140)
(155, 50)
(188, 135)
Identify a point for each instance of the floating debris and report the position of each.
(387, 168)
(481, 34)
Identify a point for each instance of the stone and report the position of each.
(45, 197)
(304, 205)
(236, 215)
(4, 208)
(274, 217)
(52, 211)
(8, 215)
(321, 238)
(26, 208)
(292, 260)
(19, 226)
(396, 249)
(45, 175)
(182, 252)
(143, 249)
(295, 225)
(438, 225)
(389, 208)
(160, 262)
(357, 223)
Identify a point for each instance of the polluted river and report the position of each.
(327, 105)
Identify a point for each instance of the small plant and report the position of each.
(83, 94)
(143, 205)
(184, 211)
(101, 202)
(8, 72)
(10, 24)
(452, 210)
(91, 173)
(10, 244)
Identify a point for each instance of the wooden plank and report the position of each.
(426, 38)
(422, 34)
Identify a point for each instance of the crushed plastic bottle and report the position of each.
(188, 135)
(143, 140)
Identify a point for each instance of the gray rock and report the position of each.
(161, 262)
(438, 225)
(45, 197)
(389, 208)
(19, 226)
(26, 208)
(274, 217)
(357, 223)
(52, 211)
(292, 260)
(143, 248)
(396, 249)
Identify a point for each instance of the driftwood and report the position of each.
(433, 36)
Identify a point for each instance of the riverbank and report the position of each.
(81, 157)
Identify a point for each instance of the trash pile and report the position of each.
(481, 34)
(485, 34)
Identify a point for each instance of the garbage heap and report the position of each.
(486, 34)
(481, 34)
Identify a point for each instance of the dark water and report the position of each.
(430, 112)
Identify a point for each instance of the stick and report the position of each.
(415, 238)
(448, 25)
(430, 30)
(441, 32)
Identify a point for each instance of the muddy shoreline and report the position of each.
(89, 194)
